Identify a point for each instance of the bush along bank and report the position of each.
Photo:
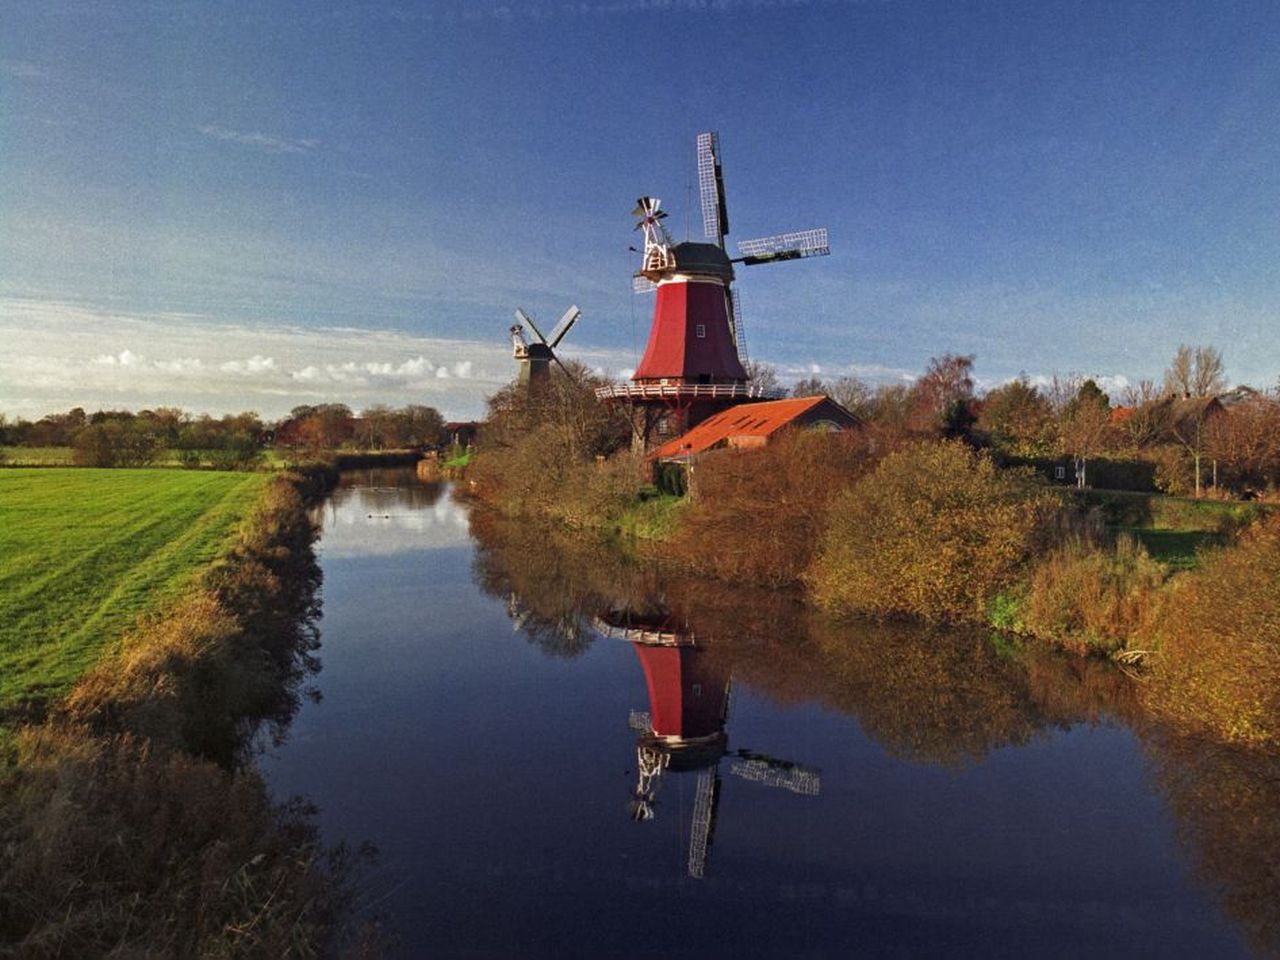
(129, 821)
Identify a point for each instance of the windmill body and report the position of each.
(535, 359)
(693, 364)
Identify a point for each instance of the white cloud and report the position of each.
(69, 355)
(259, 141)
(181, 365)
(254, 365)
(1112, 384)
(416, 367)
(125, 358)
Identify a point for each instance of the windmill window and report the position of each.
(701, 331)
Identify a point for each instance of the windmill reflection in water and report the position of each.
(690, 694)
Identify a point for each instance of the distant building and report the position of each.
(461, 433)
(753, 424)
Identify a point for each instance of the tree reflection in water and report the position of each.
(932, 695)
(1226, 801)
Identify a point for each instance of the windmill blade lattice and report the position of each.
(715, 215)
(785, 246)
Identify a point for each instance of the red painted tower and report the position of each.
(693, 363)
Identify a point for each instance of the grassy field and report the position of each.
(84, 552)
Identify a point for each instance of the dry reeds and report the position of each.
(1092, 598)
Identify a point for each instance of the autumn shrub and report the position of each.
(935, 531)
(758, 515)
(1175, 469)
(1217, 641)
(1090, 597)
(535, 444)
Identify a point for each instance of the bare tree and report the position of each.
(762, 376)
(1136, 394)
(1062, 390)
(1189, 425)
(1195, 372)
(1209, 375)
(1147, 419)
(852, 394)
(1246, 438)
(809, 387)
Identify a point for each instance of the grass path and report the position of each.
(84, 553)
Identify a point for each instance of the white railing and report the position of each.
(659, 391)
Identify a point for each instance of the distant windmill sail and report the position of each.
(566, 323)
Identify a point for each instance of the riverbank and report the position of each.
(129, 819)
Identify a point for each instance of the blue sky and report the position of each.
(1053, 187)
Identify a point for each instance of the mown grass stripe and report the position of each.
(84, 553)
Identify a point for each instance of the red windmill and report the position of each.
(693, 364)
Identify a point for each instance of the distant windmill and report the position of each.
(693, 364)
(535, 358)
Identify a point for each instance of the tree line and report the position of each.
(124, 438)
(1185, 435)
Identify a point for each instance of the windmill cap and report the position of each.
(702, 258)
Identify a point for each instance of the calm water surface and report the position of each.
(558, 754)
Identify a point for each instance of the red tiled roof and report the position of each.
(746, 420)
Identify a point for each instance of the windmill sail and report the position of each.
(777, 773)
(522, 317)
(564, 326)
(735, 322)
(715, 215)
(785, 246)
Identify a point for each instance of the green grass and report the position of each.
(83, 553)
(459, 461)
(653, 517)
(1177, 548)
(1156, 511)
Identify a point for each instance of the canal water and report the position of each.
(558, 754)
